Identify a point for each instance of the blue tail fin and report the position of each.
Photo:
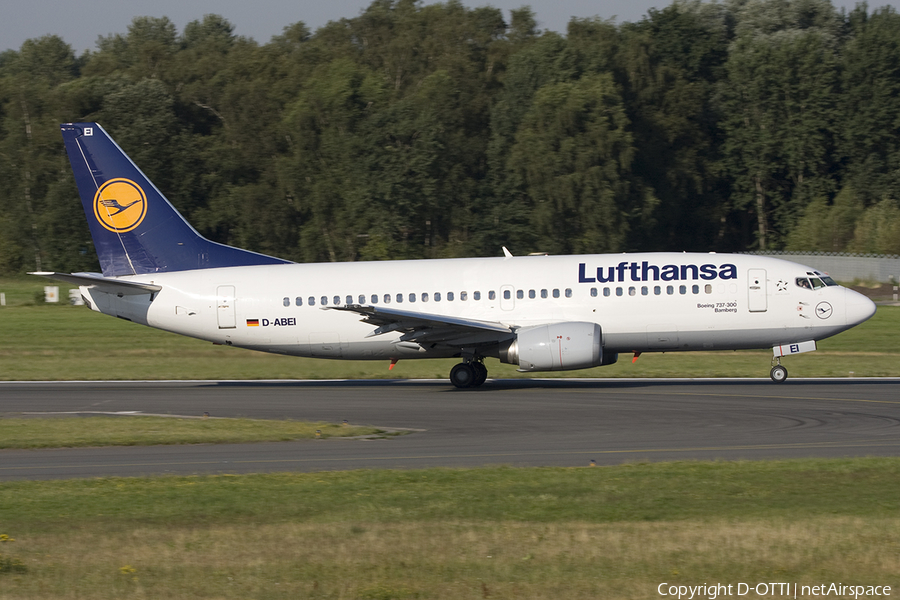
(135, 229)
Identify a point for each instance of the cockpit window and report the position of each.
(815, 282)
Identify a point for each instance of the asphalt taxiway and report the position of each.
(551, 422)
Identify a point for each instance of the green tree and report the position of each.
(780, 100)
(878, 230)
(827, 227)
(572, 154)
(505, 217)
(32, 162)
(871, 112)
(326, 129)
(146, 51)
(670, 63)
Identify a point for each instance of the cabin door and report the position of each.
(225, 306)
(756, 290)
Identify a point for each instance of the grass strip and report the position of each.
(72, 432)
(610, 532)
(862, 487)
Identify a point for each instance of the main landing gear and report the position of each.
(468, 374)
(778, 372)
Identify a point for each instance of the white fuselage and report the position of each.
(642, 302)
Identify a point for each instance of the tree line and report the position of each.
(416, 131)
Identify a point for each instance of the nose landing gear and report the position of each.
(778, 372)
(468, 374)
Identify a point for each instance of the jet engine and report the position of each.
(556, 347)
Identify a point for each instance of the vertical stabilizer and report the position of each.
(135, 228)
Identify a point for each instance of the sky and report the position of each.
(80, 22)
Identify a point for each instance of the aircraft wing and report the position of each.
(424, 328)
(104, 284)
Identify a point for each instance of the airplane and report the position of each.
(541, 313)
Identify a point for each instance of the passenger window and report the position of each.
(492, 295)
(506, 294)
(682, 289)
(286, 301)
(311, 301)
(399, 298)
(463, 296)
(520, 294)
(437, 296)
(476, 295)
(362, 298)
(695, 289)
(337, 300)
(374, 298)
(568, 292)
(324, 300)
(670, 289)
(424, 296)
(449, 296)
(298, 301)
(618, 291)
(632, 291)
(708, 288)
(387, 298)
(531, 294)
(349, 300)
(606, 292)
(412, 297)
(556, 293)
(543, 293)
(657, 290)
(593, 292)
(645, 291)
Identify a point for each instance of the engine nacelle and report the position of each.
(556, 347)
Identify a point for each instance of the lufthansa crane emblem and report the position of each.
(823, 310)
(120, 205)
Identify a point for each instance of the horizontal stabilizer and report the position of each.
(104, 284)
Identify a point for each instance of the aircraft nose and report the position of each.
(858, 307)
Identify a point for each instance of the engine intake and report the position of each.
(556, 347)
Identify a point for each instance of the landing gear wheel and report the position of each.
(481, 374)
(463, 375)
(778, 374)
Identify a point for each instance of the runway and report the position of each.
(550, 422)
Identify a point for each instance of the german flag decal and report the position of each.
(252, 322)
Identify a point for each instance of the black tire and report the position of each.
(481, 374)
(462, 375)
(778, 374)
